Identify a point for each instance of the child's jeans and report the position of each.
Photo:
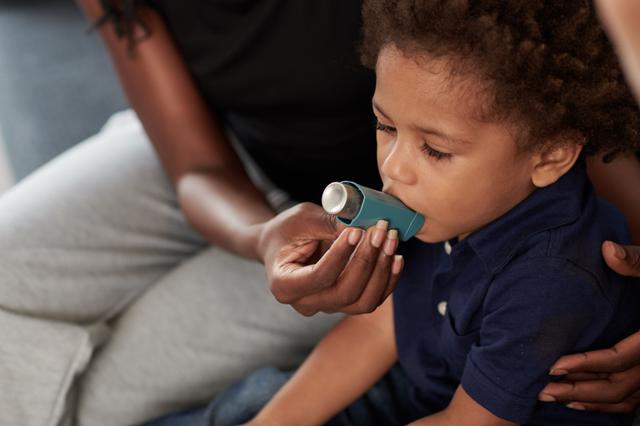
(387, 403)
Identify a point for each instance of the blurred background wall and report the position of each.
(57, 86)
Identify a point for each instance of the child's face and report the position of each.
(435, 156)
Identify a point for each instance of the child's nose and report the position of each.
(398, 164)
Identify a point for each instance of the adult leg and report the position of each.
(205, 325)
(79, 239)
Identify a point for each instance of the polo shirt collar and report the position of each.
(545, 208)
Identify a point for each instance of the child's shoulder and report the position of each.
(561, 272)
(549, 246)
(574, 248)
(593, 221)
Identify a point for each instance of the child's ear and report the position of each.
(550, 163)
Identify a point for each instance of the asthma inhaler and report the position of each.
(362, 207)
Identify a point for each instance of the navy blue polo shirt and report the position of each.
(494, 311)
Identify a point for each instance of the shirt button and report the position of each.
(442, 308)
(447, 247)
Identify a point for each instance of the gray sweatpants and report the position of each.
(112, 309)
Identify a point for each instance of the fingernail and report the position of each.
(576, 406)
(391, 243)
(619, 251)
(397, 264)
(544, 397)
(558, 372)
(379, 233)
(382, 224)
(354, 236)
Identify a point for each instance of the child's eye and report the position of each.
(384, 128)
(437, 155)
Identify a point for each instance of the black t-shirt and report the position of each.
(285, 77)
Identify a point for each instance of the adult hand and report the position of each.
(609, 379)
(604, 380)
(625, 260)
(315, 264)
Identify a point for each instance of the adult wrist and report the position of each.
(252, 242)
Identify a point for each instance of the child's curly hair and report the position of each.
(548, 63)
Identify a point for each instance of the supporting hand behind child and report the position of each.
(608, 379)
(604, 380)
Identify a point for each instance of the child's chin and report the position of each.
(430, 235)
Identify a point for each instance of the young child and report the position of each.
(485, 112)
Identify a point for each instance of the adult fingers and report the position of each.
(309, 220)
(358, 272)
(293, 281)
(332, 263)
(625, 260)
(622, 356)
(354, 278)
(396, 269)
(373, 293)
(626, 406)
(581, 377)
(311, 305)
(615, 389)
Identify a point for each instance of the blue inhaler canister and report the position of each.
(362, 207)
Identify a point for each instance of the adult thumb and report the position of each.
(316, 222)
(625, 260)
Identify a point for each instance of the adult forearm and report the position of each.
(157, 83)
(225, 208)
(620, 19)
(215, 192)
(617, 182)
